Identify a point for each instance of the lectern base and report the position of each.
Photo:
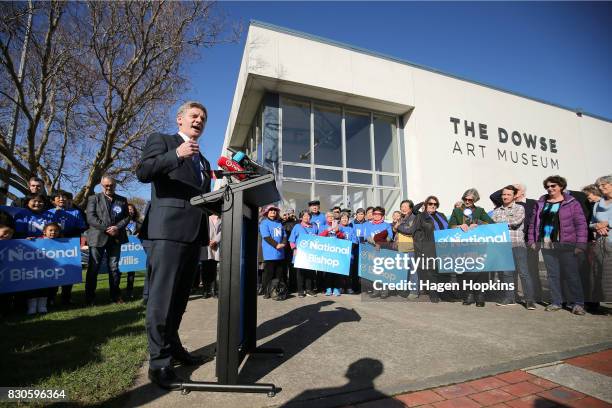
(269, 389)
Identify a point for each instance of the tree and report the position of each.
(100, 77)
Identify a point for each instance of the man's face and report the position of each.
(35, 186)
(314, 209)
(336, 214)
(108, 186)
(507, 197)
(192, 122)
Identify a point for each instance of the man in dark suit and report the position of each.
(177, 231)
(107, 216)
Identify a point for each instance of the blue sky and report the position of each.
(560, 52)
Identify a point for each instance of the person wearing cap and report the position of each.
(273, 241)
(305, 277)
(315, 216)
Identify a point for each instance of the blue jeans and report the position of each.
(520, 266)
(563, 260)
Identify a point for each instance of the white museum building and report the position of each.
(354, 128)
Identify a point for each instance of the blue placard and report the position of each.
(133, 257)
(39, 263)
(323, 254)
(384, 265)
(487, 248)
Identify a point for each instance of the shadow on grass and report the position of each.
(37, 349)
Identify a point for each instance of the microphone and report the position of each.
(243, 160)
(231, 166)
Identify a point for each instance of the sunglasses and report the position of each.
(471, 200)
(435, 204)
(552, 186)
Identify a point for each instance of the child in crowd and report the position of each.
(37, 299)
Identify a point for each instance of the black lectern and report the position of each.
(237, 204)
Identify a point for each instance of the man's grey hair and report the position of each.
(473, 192)
(521, 187)
(191, 104)
(108, 177)
(604, 179)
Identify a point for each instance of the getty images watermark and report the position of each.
(387, 267)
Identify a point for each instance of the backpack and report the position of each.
(277, 289)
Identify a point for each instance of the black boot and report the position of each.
(469, 299)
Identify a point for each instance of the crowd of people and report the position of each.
(102, 228)
(570, 228)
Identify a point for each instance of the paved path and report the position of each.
(342, 351)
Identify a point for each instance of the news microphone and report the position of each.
(231, 166)
(243, 160)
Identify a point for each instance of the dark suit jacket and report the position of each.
(174, 182)
(99, 219)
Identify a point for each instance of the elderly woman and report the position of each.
(559, 227)
(600, 225)
(422, 230)
(466, 217)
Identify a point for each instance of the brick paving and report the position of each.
(514, 389)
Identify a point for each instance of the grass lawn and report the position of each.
(93, 353)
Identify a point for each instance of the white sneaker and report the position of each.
(32, 306)
(42, 304)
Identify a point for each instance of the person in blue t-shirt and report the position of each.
(378, 231)
(305, 277)
(72, 223)
(315, 216)
(31, 221)
(273, 241)
(348, 283)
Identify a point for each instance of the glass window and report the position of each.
(359, 197)
(360, 178)
(328, 136)
(329, 195)
(385, 144)
(389, 181)
(358, 141)
(328, 175)
(296, 131)
(296, 172)
(389, 199)
(295, 195)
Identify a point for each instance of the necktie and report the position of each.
(195, 162)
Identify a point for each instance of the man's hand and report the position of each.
(187, 149)
(213, 245)
(112, 231)
(280, 246)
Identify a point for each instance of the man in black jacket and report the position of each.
(176, 231)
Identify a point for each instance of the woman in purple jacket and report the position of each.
(558, 226)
